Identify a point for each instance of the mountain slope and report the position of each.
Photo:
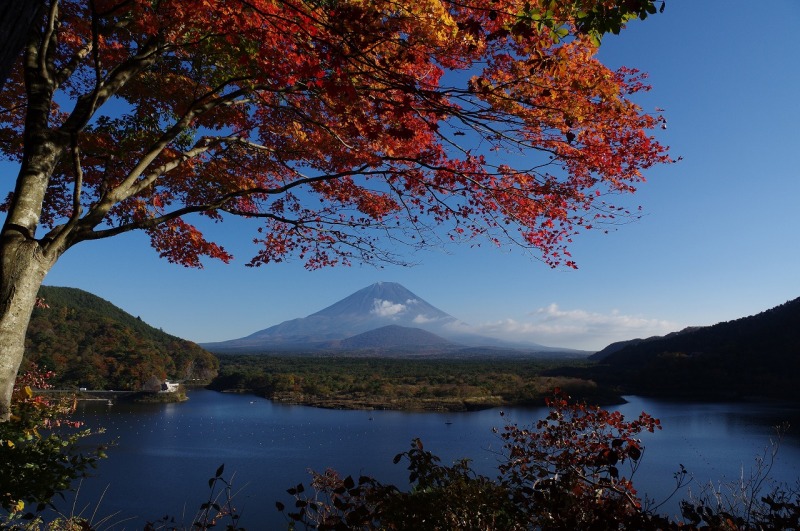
(376, 306)
(393, 337)
(752, 356)
(89, 342)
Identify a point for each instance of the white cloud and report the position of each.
(384, 308)
(422, 319)
(576, 328)
(460, 327)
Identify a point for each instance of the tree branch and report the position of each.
(77, 209)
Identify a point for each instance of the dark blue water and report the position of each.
(165, 454)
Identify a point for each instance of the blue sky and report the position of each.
(719, 239)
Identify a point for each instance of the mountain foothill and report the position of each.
(89, 342)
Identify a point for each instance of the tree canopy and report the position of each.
(322, 118)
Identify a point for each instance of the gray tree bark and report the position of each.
(24, 259)
(23, 269)
(26, 255)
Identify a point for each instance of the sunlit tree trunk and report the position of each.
(23, 269)
(26, 254)
(24, 259)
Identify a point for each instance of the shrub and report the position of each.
(39, 447)
(572, 470)
(563, 474)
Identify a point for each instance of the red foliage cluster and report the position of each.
(571, 463)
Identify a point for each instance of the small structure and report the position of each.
(157, 385)
(169, 387)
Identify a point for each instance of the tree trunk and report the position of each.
(23, 269)
(16, 18)
(24, 259)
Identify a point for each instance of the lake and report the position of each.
(165, 453)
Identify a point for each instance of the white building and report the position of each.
(169, 387)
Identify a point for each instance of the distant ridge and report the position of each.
(619, 345)
(748, 357)
(377, 306)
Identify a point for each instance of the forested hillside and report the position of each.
(402, 383)
(89, 342)
(756, 356)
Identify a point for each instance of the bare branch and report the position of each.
(77, 209)
(47, 50)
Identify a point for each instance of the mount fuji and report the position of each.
(382, 308)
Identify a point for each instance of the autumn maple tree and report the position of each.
(339, 124)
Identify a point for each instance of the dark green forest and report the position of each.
(399, 383)
(752, 357)
(89, 342)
